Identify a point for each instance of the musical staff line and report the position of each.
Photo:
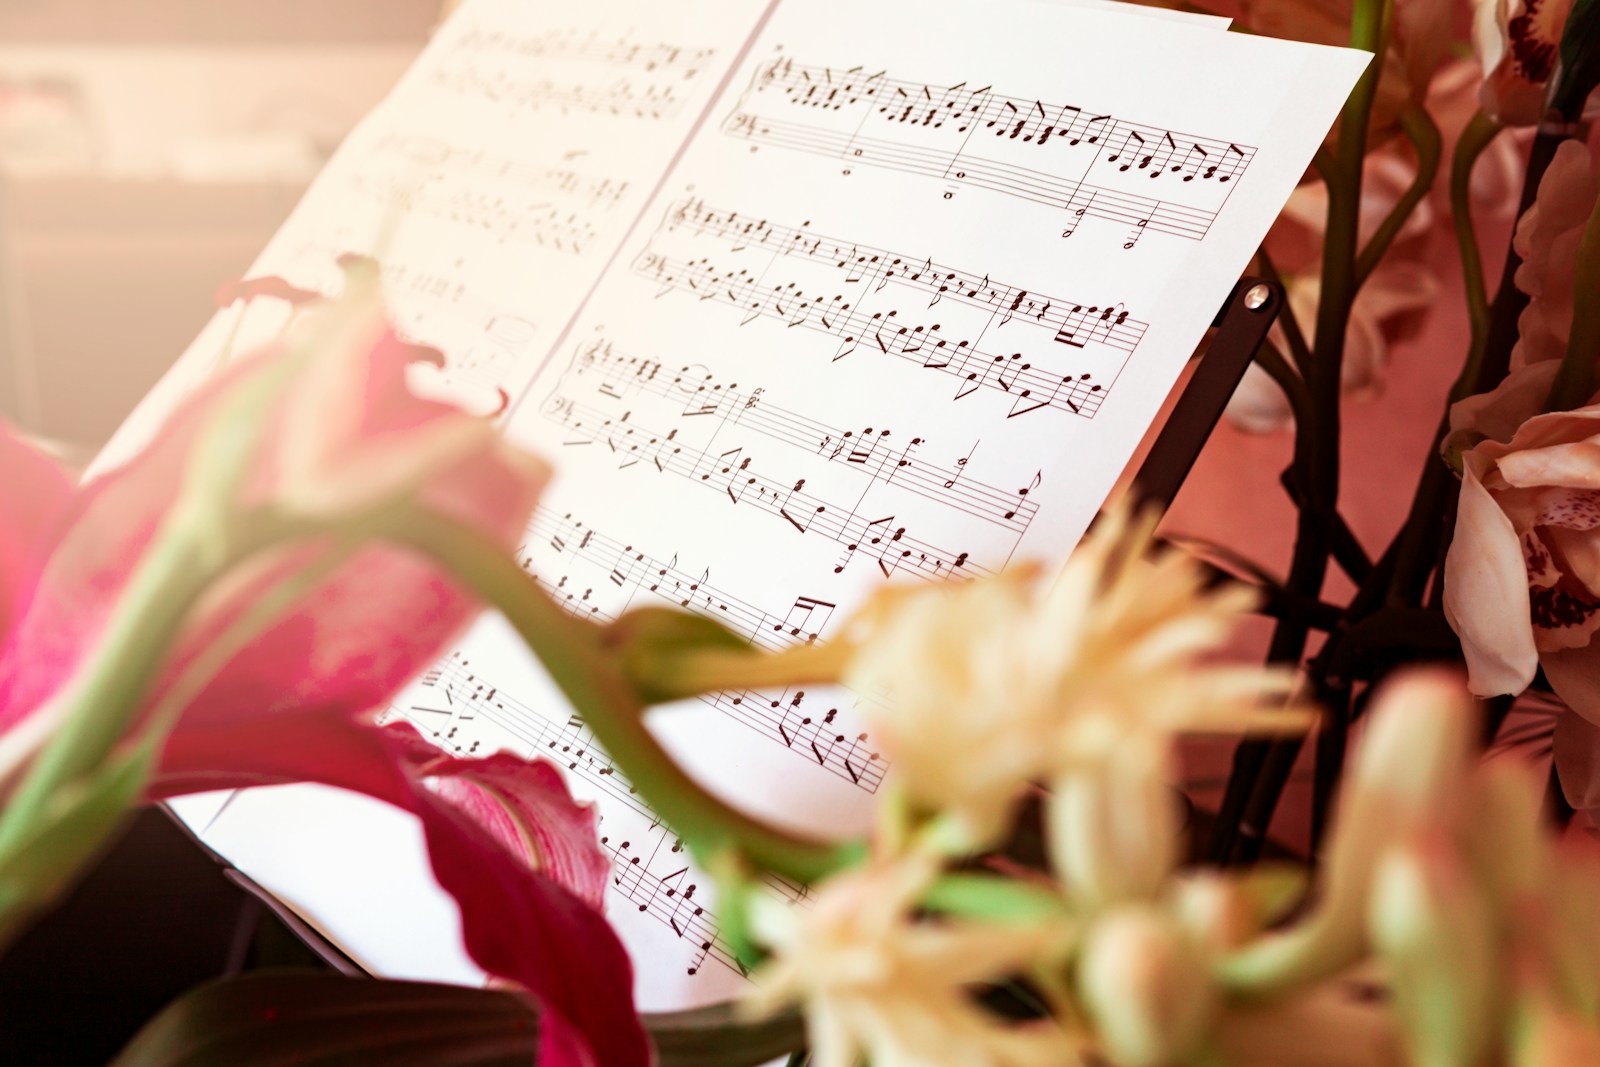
(869, 452)
(941, 131)
(669, 900)
(441, 158)
(465, 697)
(622, 98)
(784, 718)
(866, 272)
(571, 46)
(730, 473)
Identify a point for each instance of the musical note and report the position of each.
(910, 126)
(797, 254)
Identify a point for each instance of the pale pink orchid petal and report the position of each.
(1573, 465)
(1422, 38)
(1398, 287)
(1486, 595)
(1516, 42)
(1576, 747)
(1547, 238)
(1499, 414)
(297, 703)
(1575, 676)
(34, 495)
(1580, 555)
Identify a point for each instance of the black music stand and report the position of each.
(1242, 325)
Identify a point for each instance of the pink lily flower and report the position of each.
(298, 703)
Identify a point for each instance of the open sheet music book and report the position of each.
(800, 297)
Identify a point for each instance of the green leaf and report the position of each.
(1580, 59)
(305, 1018)
(716, 1036)
(68, 830)
(995, 899)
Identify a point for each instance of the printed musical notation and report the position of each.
(987, 335)
(876, 454)
(575, 46)
(445, 705)
(730, 472)
(420, 157)
(492, 197)
(1091, 165)
(637, 874)
(623, 97)
(829, 738)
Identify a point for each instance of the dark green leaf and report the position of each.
(318, 1019)
(716, 1036)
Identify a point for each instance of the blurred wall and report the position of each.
(218, 22)
(147, 153)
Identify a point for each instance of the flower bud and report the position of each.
(1412, 764)
(1146, 987)
(1113, 828)
(1435, 933)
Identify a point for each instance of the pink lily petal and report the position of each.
(526, 901)
(33, 501)
(525, 806)
(296, 703)
(1486, 594)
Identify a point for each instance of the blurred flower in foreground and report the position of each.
(294, 695)
(979, 688)
(873, 979)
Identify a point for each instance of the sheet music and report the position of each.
(496, 179)
(900, 311)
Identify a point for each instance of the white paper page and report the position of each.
(1191, 18)
(812, 371)
(731, 535)
(496, 178)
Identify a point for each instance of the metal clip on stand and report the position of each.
(1242, 325)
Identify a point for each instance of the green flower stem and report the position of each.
(1423, 134)
(1477, 136)
(572, 651)
(1418, 547)
(1574, 383)
(1316, 457)
(713, 670)
(188, 553)
(991, 898)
